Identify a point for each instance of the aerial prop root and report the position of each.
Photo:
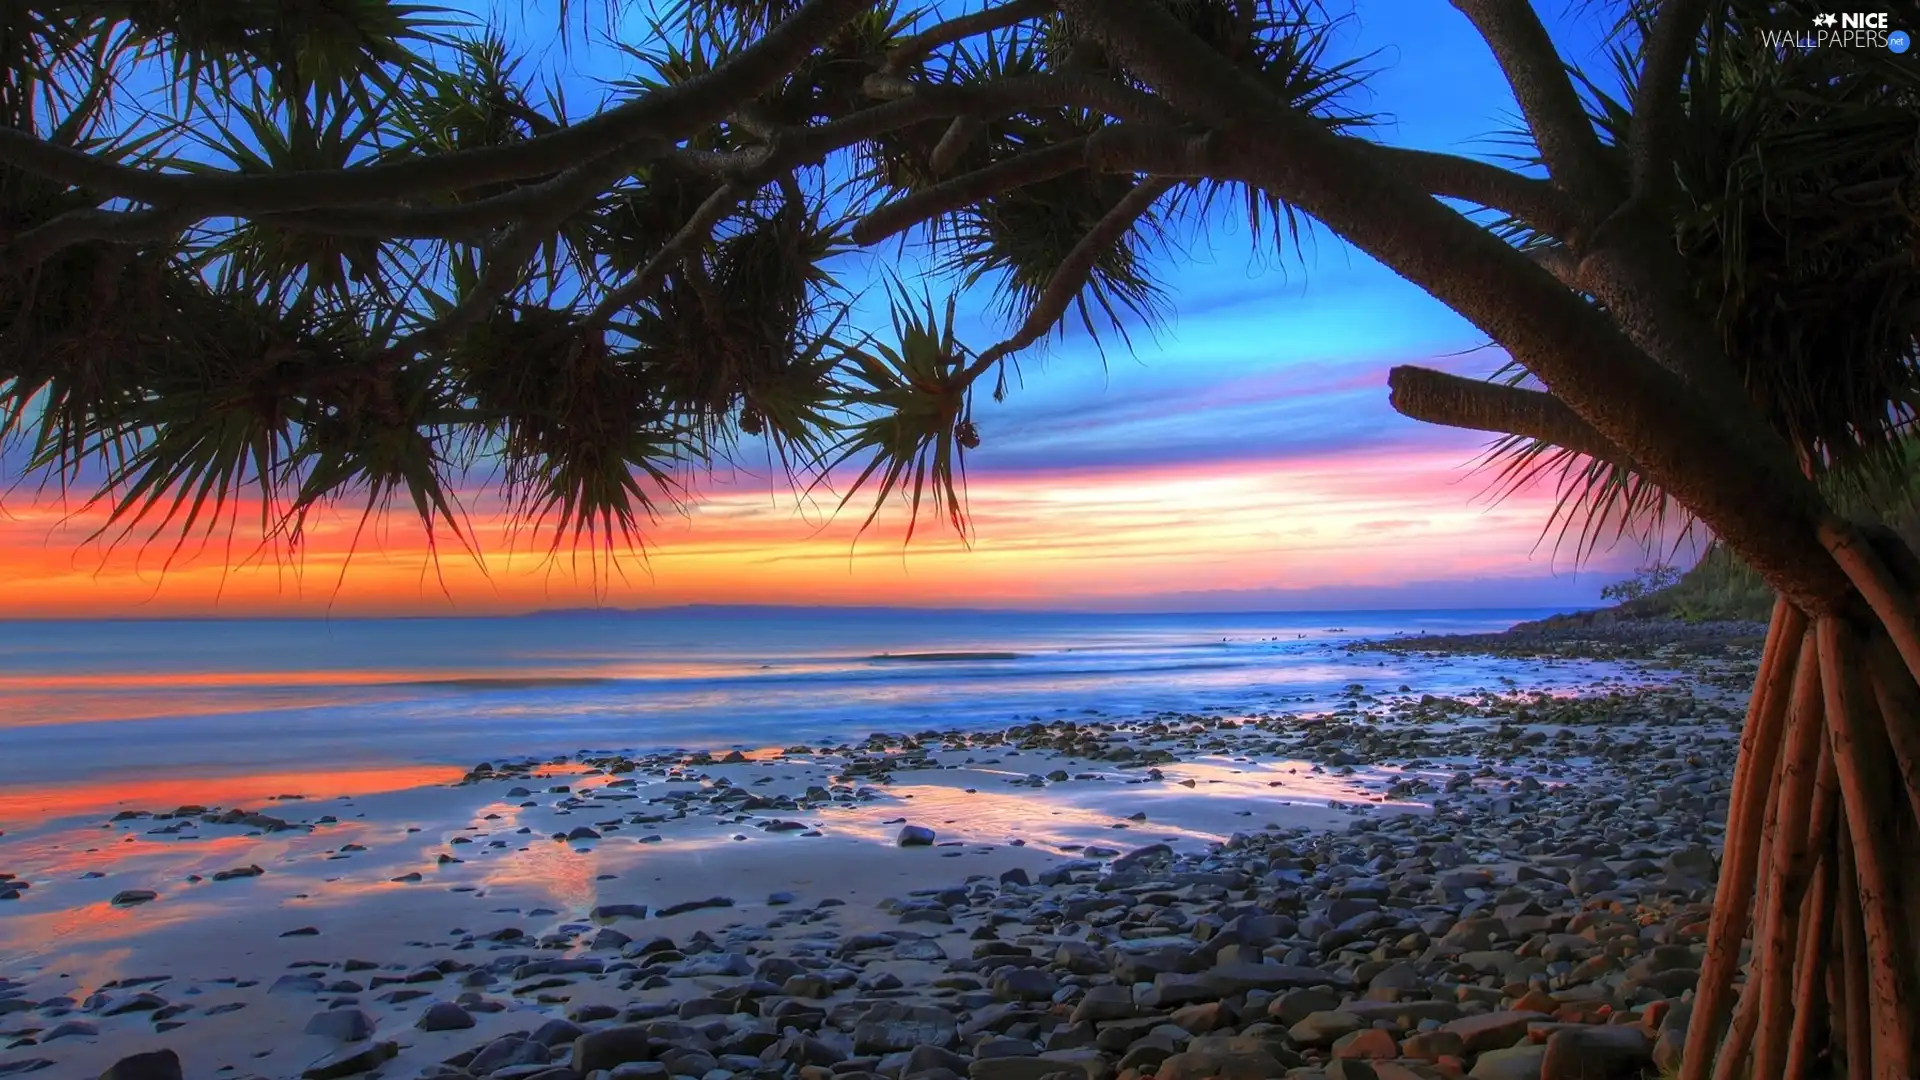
(1811, 964)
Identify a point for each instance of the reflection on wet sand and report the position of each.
(21, 806)
(389, 833)
(397, 866)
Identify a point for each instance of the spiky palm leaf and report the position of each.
(1798, 221)
(1289, 46)
(271, 138)
(327, 49)
(915, 423)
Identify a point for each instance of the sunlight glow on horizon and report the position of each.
(1246, 454)
(1374, 517)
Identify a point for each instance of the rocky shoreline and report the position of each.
(1542, 917)
(1597, 636)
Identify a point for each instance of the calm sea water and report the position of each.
(114, 700)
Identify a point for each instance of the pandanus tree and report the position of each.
(340, 252)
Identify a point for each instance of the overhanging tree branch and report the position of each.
(698, 228)
(901, 214)
(1555, 116)
(1559, 262)
(467, 221)
(1537, 202)
(670, 113)
(998, 17)
(1656, 97)
(504, 263)
(1435, 397)
(41, 242)
(1072, 89)
(1156, 149)
(1073, 274)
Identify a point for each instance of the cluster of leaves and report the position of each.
(1799, 217)
(1647, 579)
(1803, 171)
(313, 360)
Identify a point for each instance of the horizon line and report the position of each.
(664, 609)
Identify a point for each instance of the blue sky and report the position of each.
(1257, 415)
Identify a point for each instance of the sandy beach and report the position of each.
(392, 920)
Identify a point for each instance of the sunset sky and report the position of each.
(1245, 458)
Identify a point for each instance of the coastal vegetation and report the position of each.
(1717, 588)
(346, 253)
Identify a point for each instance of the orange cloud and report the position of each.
(1363, 517)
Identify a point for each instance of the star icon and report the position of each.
(1825, 20)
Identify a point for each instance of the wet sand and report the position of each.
(376, 875)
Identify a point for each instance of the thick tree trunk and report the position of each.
(1819, 871)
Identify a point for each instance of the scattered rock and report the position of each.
(152, 1065)
(351, 1060)
(341, 1025)
(444, 1016)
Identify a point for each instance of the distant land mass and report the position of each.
(878, 610)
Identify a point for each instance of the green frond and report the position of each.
(1596, 502)
(1289, 46)
(478, 99)
(396, 450)
(1019, 241)
(732, 339)
(1800, 219)
(585, 447)
(749, 16)
(1797, 220)
(269, 138)
(329, 49)
(913, 421)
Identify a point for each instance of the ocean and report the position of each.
(119, 700)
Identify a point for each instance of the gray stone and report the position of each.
(712, 964)
(506, 1051)
(444, 1016)
(1513, 1063)
(611, 1047)
(1296, 1005)
(1492, 1031)
(1597, 1052)
(341, 1025)
(892, 1026)
(352, 1060)
(1023, 984)
(1105, 1003)
(1324, 1028)
(152, 1065)
(1238, 978)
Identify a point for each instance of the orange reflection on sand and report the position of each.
(91, 971)
(989, 817)
(555, 870)
(249, 789)
(225, 680)
(1088, 811)
(42, 932)
(115, 851)
(1296, 779)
